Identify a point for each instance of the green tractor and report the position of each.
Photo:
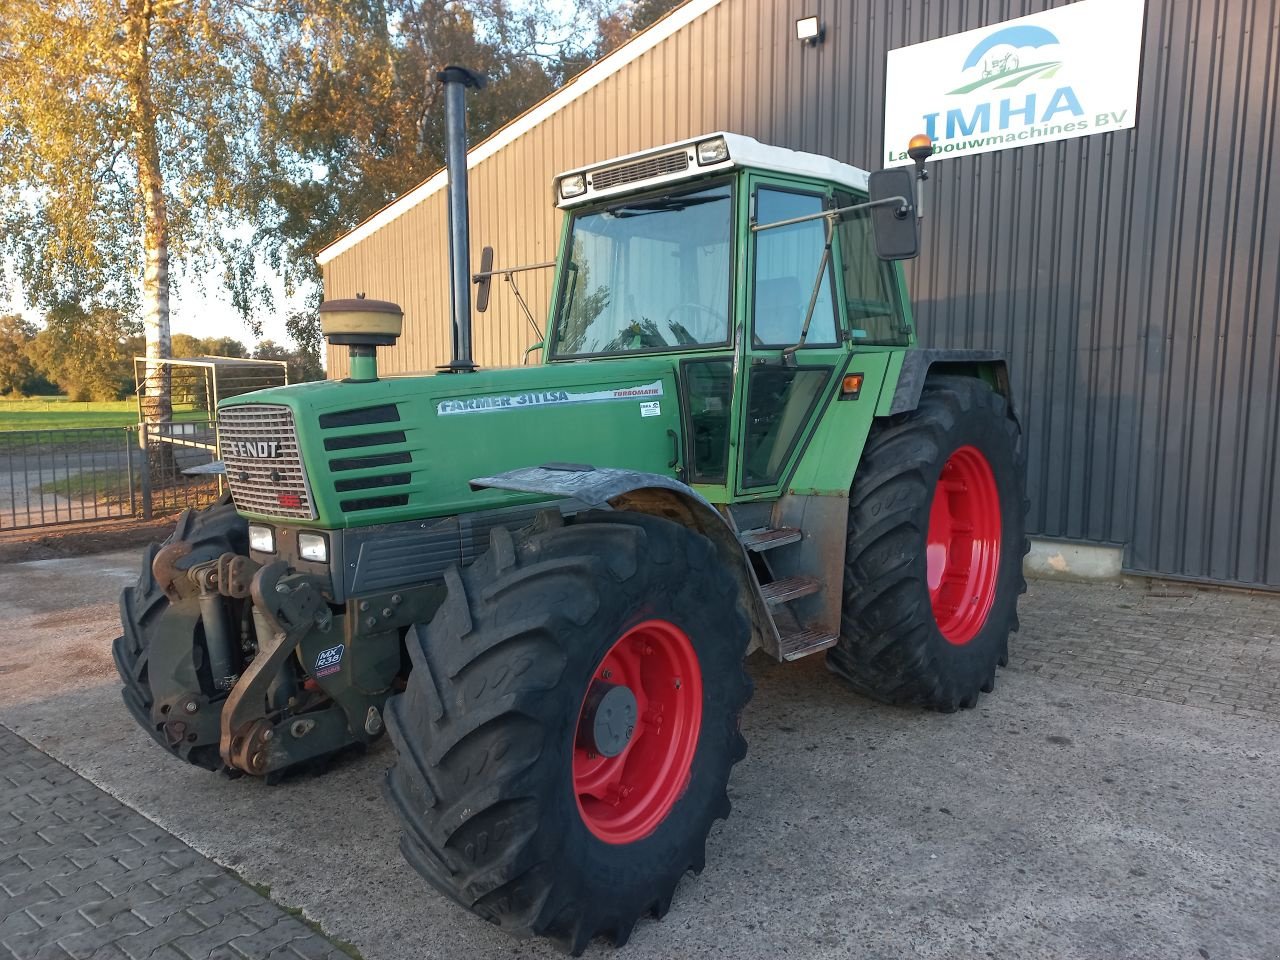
(543, 580)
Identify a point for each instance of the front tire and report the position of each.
(504, 808)
(933, 564)
(148, 619)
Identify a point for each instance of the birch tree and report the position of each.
(127, 138)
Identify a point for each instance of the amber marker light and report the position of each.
(920, 147)
(851, 386)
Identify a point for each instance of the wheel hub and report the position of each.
(608, 718)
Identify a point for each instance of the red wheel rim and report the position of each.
(964, 545)
(623, 798)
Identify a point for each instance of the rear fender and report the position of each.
(658, 496)
(988, 365)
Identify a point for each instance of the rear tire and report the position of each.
(147, 618)
(490, 768)
(931, 588)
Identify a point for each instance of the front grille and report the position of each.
(259, 446)
(640, 170)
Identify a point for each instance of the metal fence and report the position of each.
(195, 385)
(73, 475)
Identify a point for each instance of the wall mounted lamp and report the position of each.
(810, 31)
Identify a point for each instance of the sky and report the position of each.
(201, 310)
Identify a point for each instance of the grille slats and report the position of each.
(640, 170)
(259, 482)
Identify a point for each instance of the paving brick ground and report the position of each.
(1218, 649)
(84, 876)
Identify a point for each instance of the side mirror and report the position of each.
(896, 229)
(484, 279)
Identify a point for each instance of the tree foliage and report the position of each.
(235, 138)
(185, 345)
(17, 373)
(88, 353)
(356, 116)
(303, 366)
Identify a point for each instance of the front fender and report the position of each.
(653, 494)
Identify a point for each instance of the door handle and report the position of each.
(675, 455)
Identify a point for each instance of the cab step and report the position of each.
(766, 538)
(793, 646)
(788, 588)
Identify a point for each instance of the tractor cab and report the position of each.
(764, 278)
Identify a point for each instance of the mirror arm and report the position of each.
(524, 307)
(904, 210)
(508, 274)
(789, 354)
(504, 271)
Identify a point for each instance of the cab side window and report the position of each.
(786, 265)
(872, 306)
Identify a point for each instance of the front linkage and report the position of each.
(250, 668)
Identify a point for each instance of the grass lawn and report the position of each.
(59, 414)
(56, 413)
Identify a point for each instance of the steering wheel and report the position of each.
(714, 314)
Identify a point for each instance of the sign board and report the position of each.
(1067, 72)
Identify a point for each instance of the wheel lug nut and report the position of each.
(191, 706)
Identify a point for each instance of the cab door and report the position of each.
(781, 397)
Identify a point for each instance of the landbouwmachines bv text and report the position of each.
(542, 581)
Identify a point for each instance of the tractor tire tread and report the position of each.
(212, 531)
(888, 649)
(479, 716)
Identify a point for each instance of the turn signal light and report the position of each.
(851, 386)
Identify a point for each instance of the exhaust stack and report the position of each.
(456, 80)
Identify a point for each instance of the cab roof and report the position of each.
(678, 161)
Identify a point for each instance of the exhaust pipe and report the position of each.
(456, 80)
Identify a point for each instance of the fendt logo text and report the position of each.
(254, 449)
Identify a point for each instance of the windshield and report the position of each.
(648, 275)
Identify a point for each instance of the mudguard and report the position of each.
(652, 493)
(916, 365)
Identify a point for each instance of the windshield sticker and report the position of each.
(545, 398)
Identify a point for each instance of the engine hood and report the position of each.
(405, 447)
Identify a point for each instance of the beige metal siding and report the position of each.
(1131, 276)
(703, 78)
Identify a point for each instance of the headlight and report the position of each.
(313, 546)
(574, 185)
(712, 151)
(262, 539)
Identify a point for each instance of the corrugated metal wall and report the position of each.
(1133, 277)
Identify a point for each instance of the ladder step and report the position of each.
(766, 538)
(789, 588)
(797, 645)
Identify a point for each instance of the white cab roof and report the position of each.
(743, 152)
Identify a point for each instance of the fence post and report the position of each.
(128, 459)
(146, 470)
